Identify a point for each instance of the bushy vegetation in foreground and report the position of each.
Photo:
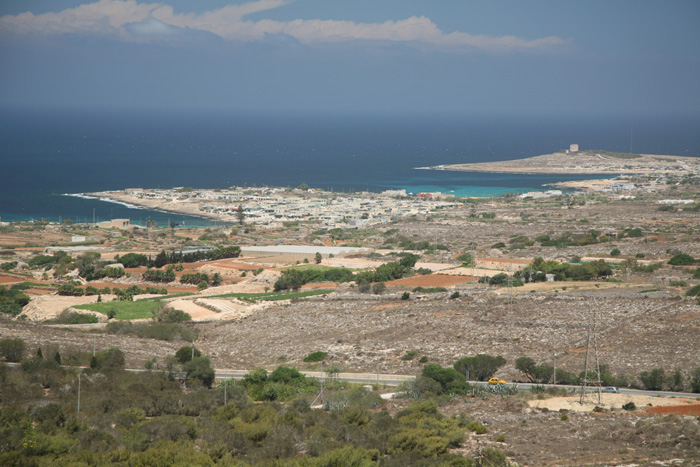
(147, 419)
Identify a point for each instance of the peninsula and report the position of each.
(588, 162)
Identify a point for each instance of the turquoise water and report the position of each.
(48, 154)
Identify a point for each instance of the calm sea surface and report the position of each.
(45, 155)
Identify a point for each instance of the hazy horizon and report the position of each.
(544, 57)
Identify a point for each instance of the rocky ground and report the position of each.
(643, 322)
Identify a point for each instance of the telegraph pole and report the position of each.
(322, 378)
(377, 369)
(79, 393)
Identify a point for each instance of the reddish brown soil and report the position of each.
(9, 280)
(688, 409)
(431, 280)
(38, 291)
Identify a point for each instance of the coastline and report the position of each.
(585, 163)
(128, 201)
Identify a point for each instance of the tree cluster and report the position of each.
(12, 300)
(539, 268)
(174, 257)
(294, 278)
(389, 271)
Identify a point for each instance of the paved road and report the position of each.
(395, 380)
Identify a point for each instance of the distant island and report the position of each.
(591, 162)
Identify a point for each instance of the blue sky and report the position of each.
(486, 57)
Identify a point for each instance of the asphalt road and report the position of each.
(395, 380)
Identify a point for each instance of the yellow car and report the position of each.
(496, 381)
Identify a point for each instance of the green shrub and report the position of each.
(409, 355)
(477, 428)
(629, 406)
(682, 259)
(9, 266)
(12, 349)
(315, 357)
(111, 359)
(481, 367)
(73, 317)
(185, 354)
(653, 380)
(199, 368)
(429, 289)
(160, 331)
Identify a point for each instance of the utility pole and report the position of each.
(377, 369)
(554, 373)
(322, 378)
(192, 350)
(466, 371)
(79, 393)
(592, 339)
(225, 386)
(94, 338)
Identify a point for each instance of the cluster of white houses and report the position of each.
(275, 205)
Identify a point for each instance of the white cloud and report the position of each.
(117, 18)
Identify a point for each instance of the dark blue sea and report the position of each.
(45, 155)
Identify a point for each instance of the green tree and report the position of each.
(87, 263)
(695, 381)
(12, 349)
(675, 380)
(527, 366)
(184, 354)
(240, 214)
(133, 260)
(615, 252)
(653, 380)
(200, 368)
(466, 259)
(409, 261)
(216, 279)
(111, 359)
(449, 379)
(481, 366)
(682, 259)
(318, 258)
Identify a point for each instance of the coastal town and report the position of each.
(273, 206)
(389, 288)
